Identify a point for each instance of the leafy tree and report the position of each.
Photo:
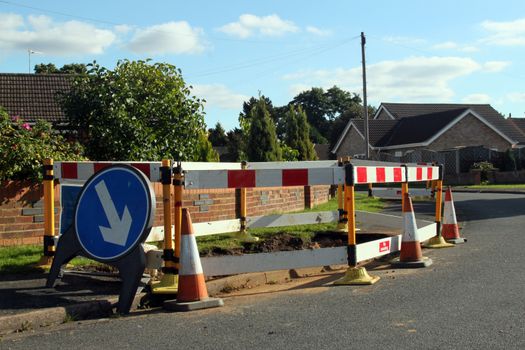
(262, 145)
(205, 151)
(217, 135)
(235, 145)
(138, 111)
(298, 133)
(24, 147)
(50, 68)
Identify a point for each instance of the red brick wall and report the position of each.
(21, 207)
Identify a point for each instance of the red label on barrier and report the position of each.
(380, 175)
(429, 173)
(419, 173)
(69, 171)
(397, 175)
(241, 178)
(100, 166)
(144, 167)
(295, 177)
(361, 175)
(384, 246)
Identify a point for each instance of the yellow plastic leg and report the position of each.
(437, 242)
(342, 227)
(244, 236)
(168, 284)
(45, 262)
(356, 276)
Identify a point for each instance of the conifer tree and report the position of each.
(262, 145)
(298, 133)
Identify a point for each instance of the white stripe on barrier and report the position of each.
(268, 178)
(81, 171)
(216, 227)
(292, 219)
(426, 232)
(292, 165)
(231, 265)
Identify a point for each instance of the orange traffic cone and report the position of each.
(411, 255)
(192, 293)
(450, 230)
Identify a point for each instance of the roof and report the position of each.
(322, 150)
(33, 96)
(518, 123)
(407, 110)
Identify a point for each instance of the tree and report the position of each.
(217, 136)
(298, 133)
(353, 112)
(247, 106)
(205, 151)
(262, 145)
(138, 111)
(50, 68)
(235, 145)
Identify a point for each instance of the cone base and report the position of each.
(456, 240)
(168, 284)
(437, 242)
(174, 305)
(356, 276)
(424, 262)
(244, 236)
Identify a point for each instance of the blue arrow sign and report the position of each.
(114, 212)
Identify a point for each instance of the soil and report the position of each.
(286, 242)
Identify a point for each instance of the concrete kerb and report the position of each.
(34, 320)
(487, 190)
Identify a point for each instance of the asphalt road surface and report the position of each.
(472, 297)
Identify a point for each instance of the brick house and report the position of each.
(34, 96)
(400, 128)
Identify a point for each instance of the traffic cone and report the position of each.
(450, 229)
(192, 293)
(411, 255)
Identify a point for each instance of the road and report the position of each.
(472, 297)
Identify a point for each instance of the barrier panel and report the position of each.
(190, 175)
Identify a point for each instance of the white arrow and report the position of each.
(118, 231)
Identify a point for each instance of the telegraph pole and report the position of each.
(365, 104)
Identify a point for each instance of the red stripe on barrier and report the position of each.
(429, 173)
(144, 167)
(397, 175)
(100, 166)
(69, 171)
(241, 178)
(361, 175)
(419, 173)
(295, 177)
(380, 175)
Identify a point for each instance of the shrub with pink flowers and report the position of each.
(23, 147)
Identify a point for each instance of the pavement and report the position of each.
(25, 303)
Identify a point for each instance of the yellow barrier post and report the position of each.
(438, 241)
(354, 275)
(341, 224)
(49, 214)
(243, 234)
(169, 281)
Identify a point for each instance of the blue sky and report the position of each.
(417, 51)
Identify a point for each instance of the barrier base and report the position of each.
(168, 284)
(341, 227)
(244, 236)
(437, 242)
(456, 240)
(424, 262)
(45, 262)
(174, 305)
(356, 276)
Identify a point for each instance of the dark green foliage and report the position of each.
(262, 144)
(50, 68)
(298, 133)
(509, 161)
(217, 136)
(205, 151)
(24, 148)
(138, 111)
(235, 145)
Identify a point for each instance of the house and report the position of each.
(400, 128)
(34, 96)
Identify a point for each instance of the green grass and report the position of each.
(480, 187)
(23, 259)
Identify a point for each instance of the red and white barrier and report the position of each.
(81, 171)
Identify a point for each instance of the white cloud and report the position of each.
(404, 40)
(122, 28)
(217, 95)
(414, 79)
(171, 37)
(477, 98)
(249, 25)
(516, 97)
(510, 33)
(318, 31)
(58, 38)
(451, 45)
(495, 66)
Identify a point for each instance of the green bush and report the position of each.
(24, 147)
(484, 167)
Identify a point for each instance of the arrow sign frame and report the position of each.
(114, 212)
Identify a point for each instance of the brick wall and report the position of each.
(21, 206)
